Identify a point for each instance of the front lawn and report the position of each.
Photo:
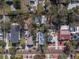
(1, 56)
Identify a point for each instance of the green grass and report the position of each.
(40, 8)
(22, 41)
(6, 57)
(1, 56)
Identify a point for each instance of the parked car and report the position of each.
(27, 33)
(1, 35)
(72, 29)
(12, 8)
(43, 19)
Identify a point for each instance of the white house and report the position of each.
(73, 4)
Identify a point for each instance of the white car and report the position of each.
(43, 19)
(1, 36)
(12, 8)
(27, 34)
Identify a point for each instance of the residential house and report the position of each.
(73, 4)
(64, 33)
(15, 33)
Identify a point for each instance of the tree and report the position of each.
(17, 4)
(12, 50)
(41, 56)
(40, 9)
(23, 43)
(2, 43)
(18, 56)
(1, 50)
(62, 56)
